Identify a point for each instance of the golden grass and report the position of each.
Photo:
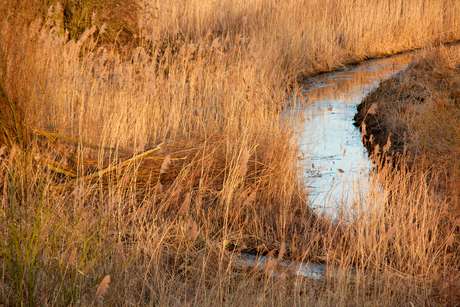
(155, 165)
(416, 113)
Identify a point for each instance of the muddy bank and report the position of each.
(416, 115)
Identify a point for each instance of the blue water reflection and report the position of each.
(331, 144)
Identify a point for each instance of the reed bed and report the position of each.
(414, 115)
(144, 146)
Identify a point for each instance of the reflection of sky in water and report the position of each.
(330, 140)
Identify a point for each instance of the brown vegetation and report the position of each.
(142, 166)
(410, 126)
(417, 113)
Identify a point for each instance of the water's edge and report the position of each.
(332, 145)
(330, 142)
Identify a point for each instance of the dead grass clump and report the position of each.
(13, 129)
(407, 250)
(119, 19)
(417, 112)
(197, 185)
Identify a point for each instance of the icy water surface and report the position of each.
(277, 268)
(331, 144)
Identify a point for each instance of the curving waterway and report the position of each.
(335, 156)
(336, 160)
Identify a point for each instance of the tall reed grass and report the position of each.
(411, 128)
(151, 166)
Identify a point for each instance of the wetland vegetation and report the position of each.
(143, 147)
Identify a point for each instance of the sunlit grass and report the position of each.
(134, 176)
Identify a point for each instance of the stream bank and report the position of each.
(332, 146)
(415, 116)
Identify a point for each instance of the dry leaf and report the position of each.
(316, 238)
(382, 175)
(103, 28)
(192, 228)
(185, 204)
(330, 108)
(140, 212)
(246, 220)
(78, 191)
(165, 164)
(216, 43)
(448, 257)
(432, 224)
(242, 247)
(103, 286)
(369, 241)
(354, 206)
(341, 170)
(73, 256)
(194, 231)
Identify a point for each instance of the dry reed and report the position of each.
(146, 159)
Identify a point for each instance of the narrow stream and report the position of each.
(331, 144)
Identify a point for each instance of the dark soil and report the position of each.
(401, 106)
(415, 117)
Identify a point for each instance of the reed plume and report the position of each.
(103, 286)
(243, 164)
